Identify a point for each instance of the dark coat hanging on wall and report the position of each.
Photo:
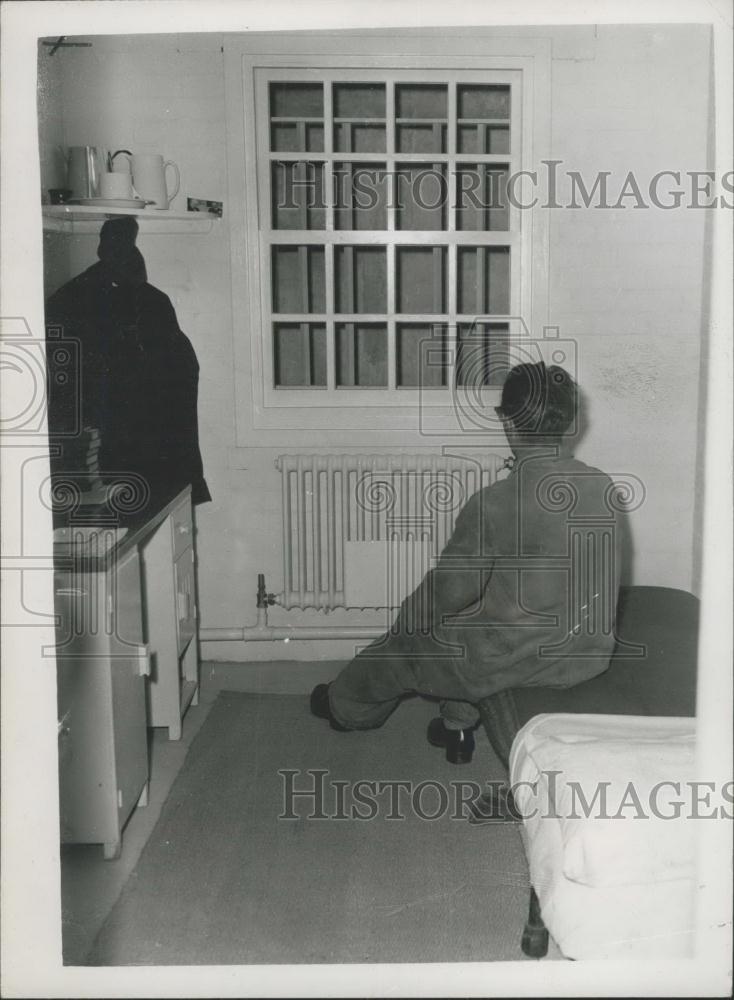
(137, 377)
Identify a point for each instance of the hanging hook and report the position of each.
(61, 43)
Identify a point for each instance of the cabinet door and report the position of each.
(129, 664)
(87, 779)
(185, 598)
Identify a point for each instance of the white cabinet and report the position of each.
(101, 667)
(127, 658)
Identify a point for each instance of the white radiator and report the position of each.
(360, 531)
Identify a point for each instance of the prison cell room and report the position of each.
(347, 312)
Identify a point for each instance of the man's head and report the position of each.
(538, 404)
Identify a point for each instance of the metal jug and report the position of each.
(84, 167)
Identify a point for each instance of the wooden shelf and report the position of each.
(88, 219)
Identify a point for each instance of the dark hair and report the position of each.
(539, 400)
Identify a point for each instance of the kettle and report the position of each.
(84, 168)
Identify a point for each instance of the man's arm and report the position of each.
(459, 579)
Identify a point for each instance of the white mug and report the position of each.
(116, 185)
(149, 179)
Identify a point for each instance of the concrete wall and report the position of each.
(626, 284)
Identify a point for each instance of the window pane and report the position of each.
(296, 100)
(296, 137)
(421, 355)
(421, 279)
(359, 100)
(481, 197)
(359, 117)
(420, 111)
(361, 354)
(484, 280)
(298, 279)
(421, 138)
(483, 101)
(421, 196)
(360, 281)
(360, 196)
(483, 355)
(297, 117)
(299, 354)
(483, 139)
(359, 137)
(298, 195)
(421, 100)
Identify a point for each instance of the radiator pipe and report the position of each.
(263, 632)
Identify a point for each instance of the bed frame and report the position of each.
(652, 672)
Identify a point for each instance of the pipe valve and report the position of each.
(264, 599)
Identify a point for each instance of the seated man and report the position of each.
(524, 593)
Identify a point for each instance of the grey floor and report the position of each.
(90, 885)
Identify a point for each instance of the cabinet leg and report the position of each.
(143, 800)
(112, 850)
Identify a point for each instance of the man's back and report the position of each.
(545, 542)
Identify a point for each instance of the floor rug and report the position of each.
(371, 865)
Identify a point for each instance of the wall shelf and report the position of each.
(81, 219)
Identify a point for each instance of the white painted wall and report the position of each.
(626, 284)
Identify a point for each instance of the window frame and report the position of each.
(267, 414)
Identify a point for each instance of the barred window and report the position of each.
(385, 228)
(379, 260)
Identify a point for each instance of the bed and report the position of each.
(639, 714)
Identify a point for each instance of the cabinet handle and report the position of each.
(143, 656)
(184, 529)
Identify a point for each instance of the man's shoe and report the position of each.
(459, 743)
(321, 708)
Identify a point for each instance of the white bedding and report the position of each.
(618, 881)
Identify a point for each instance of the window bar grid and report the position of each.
(349, 328)
(438, 280)
(330, 335)
(451, 151)
(391, 326)
(451, 349)
(301, 173)
(306, 339)
(439, 169)
(452, 331)
(329, 176)
(481, 272)
(390, 191)
(445, 300)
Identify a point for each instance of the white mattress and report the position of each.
(618, 881)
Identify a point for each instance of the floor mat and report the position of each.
(228, 878)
